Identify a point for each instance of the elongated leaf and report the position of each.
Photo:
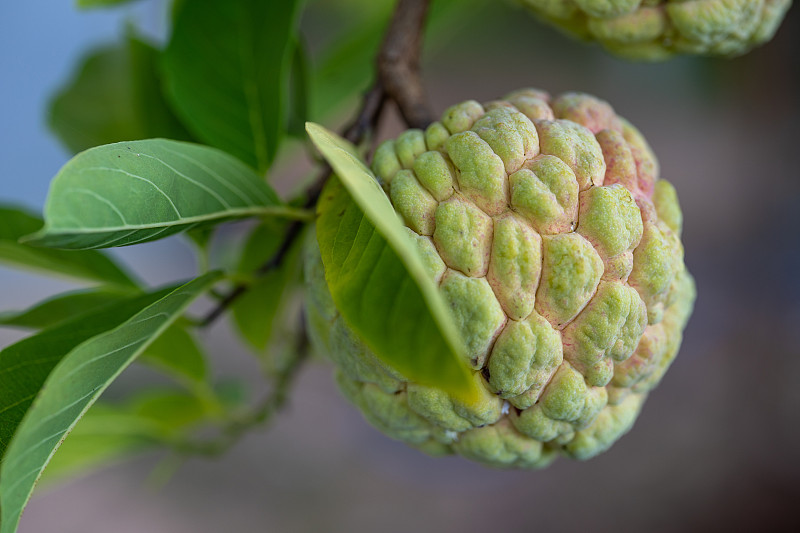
(256, 311)
(108, 433)
(61, 308)
(345, 64)
(176, 352)
(227, 70)
(72, 387)
(138, 191)
(105, 434)
(378, 280)
(298, 91)
(85, 265)
(24, 366)
(115, 96)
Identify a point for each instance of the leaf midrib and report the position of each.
(288, 212)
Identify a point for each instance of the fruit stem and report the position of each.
(399, 60)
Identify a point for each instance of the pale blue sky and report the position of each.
(40, 43)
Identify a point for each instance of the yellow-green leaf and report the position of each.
(378, 281)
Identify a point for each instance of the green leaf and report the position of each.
(298, 91)
(201, 238)
(88, 4)
(346, 64)
(85, 265)
(255, 312)
(176, 352)
(115, 96)
(171, 411)
(61, 308)
(227, 69)
(378, 280)
(139, 191)
(72, 387)
(106, 434)
(24, 366)
(112, 432)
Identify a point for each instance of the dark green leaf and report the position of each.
(61, 308)
(176, 352)
(71, 388)
(260, 245)
(255, 312)
(345, 64)
(227, 68)
(298, 91)
(378, 280)
(24, 366)
(115, 96)
(86, 265)
(201, 237)
(138, 191)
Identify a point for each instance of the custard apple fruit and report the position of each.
(557, 248)
(657, 29)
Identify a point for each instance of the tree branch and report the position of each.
(365, 121)
(399, 60)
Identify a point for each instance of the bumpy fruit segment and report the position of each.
(657, 29)
(557, 249)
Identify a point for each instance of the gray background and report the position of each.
(716, 445)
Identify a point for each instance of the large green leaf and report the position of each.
(71, 388)
(61, 308)
(378, 280)
(227, 69)
(115, 96)
(138, 191)
(85, 265)
(24, 366)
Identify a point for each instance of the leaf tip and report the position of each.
(315, 131)
(33, 239)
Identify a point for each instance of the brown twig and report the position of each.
(366, 120)
(399, 59)
(398, 79)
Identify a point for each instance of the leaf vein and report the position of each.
(208, 190)
(136, 176)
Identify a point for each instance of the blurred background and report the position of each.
(716, 446)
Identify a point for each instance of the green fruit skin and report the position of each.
(550, 236)
(654, 30)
